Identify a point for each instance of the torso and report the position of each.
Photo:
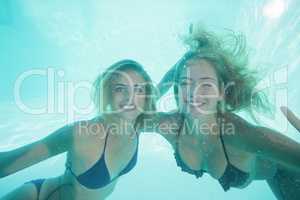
(87, 150)
(205, 152)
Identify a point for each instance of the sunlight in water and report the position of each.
(274, 9)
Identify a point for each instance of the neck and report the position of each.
(206, 124)
(119, 126)
(114, 118)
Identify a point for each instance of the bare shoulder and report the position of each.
(89, 129)
(235, 129)
(239, 124)
(88, 135)
(231, 117)
(244, 127)
(245, 133)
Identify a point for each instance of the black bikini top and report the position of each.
(232, 176)
(98, 176)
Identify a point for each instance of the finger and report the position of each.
(292, 118)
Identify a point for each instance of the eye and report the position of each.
(207, 85)
(140, 90)
(119, 89)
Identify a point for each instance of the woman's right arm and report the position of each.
(262, 141)
(167, 81)
(15, 160)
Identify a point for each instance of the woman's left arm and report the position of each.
(291, 117)
(167, 81)
(263, 142)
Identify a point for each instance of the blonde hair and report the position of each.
(101, 87)
(229, 56)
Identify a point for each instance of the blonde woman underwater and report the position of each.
(99, 150)
(211, 83)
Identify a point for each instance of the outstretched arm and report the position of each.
(57, 142)
(264, 142)
(167, 81)
(291, 117)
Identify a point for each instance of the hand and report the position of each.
(291, 117)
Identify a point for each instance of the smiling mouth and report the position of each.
(195, 104)
(128, 107)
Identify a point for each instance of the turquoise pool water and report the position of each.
(51, 51)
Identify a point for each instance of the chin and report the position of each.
(129, 116)
(200, 111)
(196, 114)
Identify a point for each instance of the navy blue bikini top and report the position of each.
(232, 177)
(98, 175)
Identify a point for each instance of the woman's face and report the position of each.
(128, 90)
(198, 88)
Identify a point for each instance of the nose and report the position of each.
(195, 93)
(191, 92)
(128, 97)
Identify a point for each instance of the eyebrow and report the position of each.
(135, 85)
(203, 78)
(185, 78)
(119, 84)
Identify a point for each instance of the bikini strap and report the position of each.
(106, 140)
(222, 141)
(69, 167)
(180, 128)
(68, 164)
